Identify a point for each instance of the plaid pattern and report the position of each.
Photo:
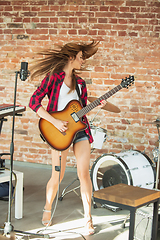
(51, 88)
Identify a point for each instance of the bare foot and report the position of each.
(46, 219)
(89, 227)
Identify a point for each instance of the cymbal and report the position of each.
(157, 122)
(108, 107)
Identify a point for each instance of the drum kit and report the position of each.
(130, 167)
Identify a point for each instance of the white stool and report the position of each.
(4, 177)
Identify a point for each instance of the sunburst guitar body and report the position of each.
(56, 139)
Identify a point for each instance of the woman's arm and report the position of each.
(59, 124)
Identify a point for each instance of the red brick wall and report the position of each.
(129, 44)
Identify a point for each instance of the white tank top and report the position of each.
(65, 98)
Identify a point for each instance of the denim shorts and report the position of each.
(81, 136)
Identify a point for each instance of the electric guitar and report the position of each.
(73, 112)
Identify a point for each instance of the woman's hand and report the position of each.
(60, 125)
(102, 103)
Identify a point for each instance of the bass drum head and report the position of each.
(109, 170)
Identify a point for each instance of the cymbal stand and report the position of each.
(157, 174)
(95, 116)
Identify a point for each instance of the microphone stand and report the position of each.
(8, 227)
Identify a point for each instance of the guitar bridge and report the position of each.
(75, 117)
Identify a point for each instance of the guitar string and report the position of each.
(95, 103)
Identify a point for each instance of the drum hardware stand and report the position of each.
(8, 227)
(157, 174)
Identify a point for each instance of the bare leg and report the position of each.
(52, 185)
(82, 154)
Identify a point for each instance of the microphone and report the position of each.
(24, 73)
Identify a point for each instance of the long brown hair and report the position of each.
(55, 60)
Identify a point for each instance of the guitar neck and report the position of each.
(95, 103)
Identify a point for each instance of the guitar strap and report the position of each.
(78, 92)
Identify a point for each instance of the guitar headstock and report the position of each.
(127, 81)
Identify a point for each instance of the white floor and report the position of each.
(68, 217)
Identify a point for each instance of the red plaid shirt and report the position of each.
(51, 88)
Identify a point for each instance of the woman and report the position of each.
(60, 86)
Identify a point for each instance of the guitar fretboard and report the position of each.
(95, 103)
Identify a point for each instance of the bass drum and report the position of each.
(130, 167)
